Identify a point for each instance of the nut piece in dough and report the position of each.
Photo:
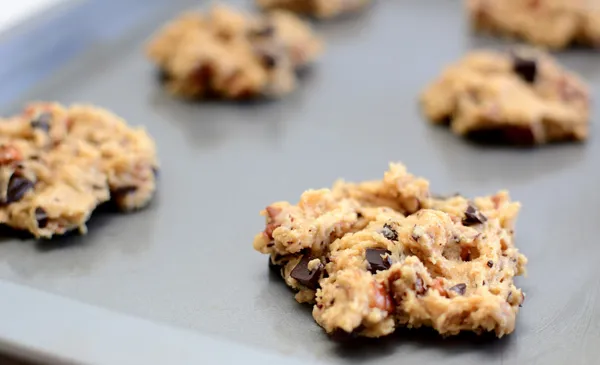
(224, 53)
(521, 97)
(378, 255)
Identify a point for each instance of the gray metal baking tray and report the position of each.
(179, 282)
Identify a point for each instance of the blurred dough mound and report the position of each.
(523, 97)
(57, 164)
(549, 23)
(224, 53)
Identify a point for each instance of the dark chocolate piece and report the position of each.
(526, 68)
(17, 187)
(268, 60)
(459, 289)
(41, 217)
(473, 216)
(42, 122)
(306, 277)
(375, 261)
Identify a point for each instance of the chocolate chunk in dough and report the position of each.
(376, 261)
(17, 187)
(473, 216)
(41, 217)
(306, 277)
(526, 68)
(42, 122)
(268, 60)
(459, 289)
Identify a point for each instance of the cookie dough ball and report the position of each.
(378, 255)
(522, 97)
(224, 53)
(57, 164)
(316, 8)
(549, 23)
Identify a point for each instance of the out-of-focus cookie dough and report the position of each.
(549, 23)
(57, 164)
(316, 8)
(523, 97)
(228, 54)
(379, 255)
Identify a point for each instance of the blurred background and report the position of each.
(13, 11)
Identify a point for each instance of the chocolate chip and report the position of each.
(459, 289)
(375, 261)
(268, 60)
(304, 276)
(512, 135)
(41, 217)
(17, 187)
(473, 216)
(389, 233)
(42, 122)
(490, 264)
(526, 68)
(359, 215)
(419, 287)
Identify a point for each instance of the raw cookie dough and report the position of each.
(231, 55)
(522, 97)
(379, 255)
(316, 8)
(57, 164)
(550, 23)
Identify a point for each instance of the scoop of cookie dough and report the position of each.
(379, 255)
(227, 54)
(57, 164)
(316, 8)
(549, 23)
(522, 97)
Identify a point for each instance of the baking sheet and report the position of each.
(187, 261)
